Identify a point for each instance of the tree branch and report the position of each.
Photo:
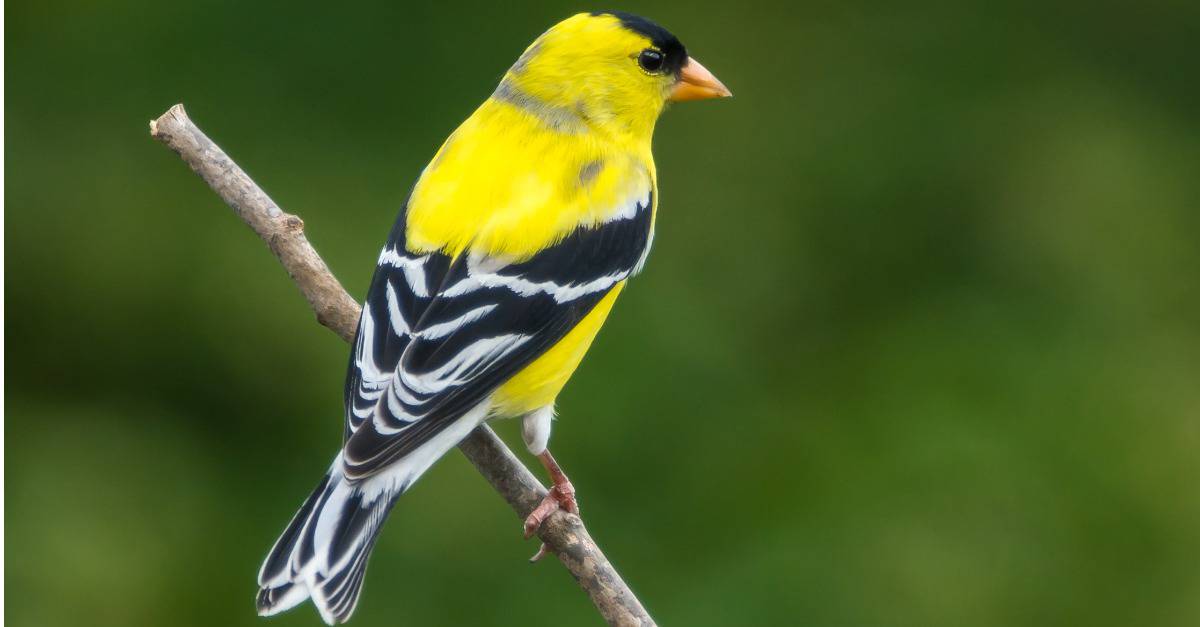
(563, 533)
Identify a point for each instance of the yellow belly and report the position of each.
(540, 382)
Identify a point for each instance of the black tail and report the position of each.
(324, 550)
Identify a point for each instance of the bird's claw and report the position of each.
(541, 552)
(560, 496)
(534, 520)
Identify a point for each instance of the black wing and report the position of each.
(401, 290)
(451, 347)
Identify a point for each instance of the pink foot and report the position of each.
(560, 496)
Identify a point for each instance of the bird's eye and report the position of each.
(651, 60)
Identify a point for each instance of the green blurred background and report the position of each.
(918, 343)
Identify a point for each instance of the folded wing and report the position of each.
(438, 336)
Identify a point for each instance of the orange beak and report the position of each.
(697, 83)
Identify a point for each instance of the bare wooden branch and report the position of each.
(563, 533)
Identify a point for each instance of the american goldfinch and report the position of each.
(498, 273)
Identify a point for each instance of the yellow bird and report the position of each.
(495, 279)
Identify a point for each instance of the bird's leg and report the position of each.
(561, 495)
(564, 490)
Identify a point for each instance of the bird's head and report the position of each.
(613, 71)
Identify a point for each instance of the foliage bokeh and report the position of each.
(917, 344)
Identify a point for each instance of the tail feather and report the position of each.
(275, 566)
(323, 553)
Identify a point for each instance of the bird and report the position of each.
(499, 271)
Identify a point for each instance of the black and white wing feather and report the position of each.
(486, 321)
